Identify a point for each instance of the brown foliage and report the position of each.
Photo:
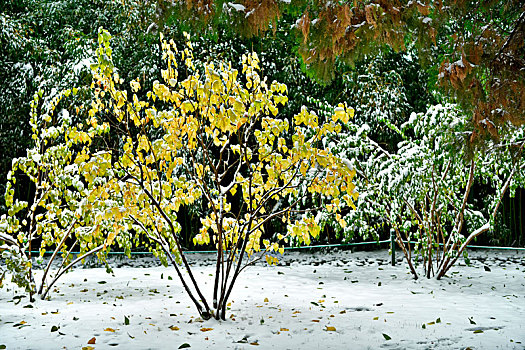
(482, 63)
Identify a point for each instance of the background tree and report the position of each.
(422, 191)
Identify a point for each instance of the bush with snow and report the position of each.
(58, 212)
(211, 136)
(421, 190)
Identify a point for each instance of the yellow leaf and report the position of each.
(330, 329)
(206, 329)
(120, 102)
(223, 123)
(187, 106)
(109, 330)
(266, 300)
(174, 328)
(284, 329)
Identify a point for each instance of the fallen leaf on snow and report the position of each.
(92, 340)
(330, 329)
(204, 329)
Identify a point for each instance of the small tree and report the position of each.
(56, 213)
(213, 136)
(422, 190)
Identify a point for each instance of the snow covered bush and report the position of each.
(57, 214)
(421, 191)
(380, 103)
(211, 136)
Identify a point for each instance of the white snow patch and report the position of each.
(237, 7)
(359, 294)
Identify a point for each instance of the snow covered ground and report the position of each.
(341, 300)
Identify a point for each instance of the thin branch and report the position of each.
(70, 265)
(57, 249)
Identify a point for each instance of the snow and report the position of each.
(237, 7)
(81, 64)
(284, 307)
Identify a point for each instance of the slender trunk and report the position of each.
(504, 216)
(429, 255)
(406, 252)
(70, 265)
(57, 249)
(179, 248)
(219, 256)
(217, 274)
(230, 261)
(449, 263)
(399, 240)
(236, 273)
(469, 239)
(159, 240)
(205, 314)
(520, 215)
(512, 221)
(225, 296)
(458, 224)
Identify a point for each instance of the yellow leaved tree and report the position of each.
(211, 136)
